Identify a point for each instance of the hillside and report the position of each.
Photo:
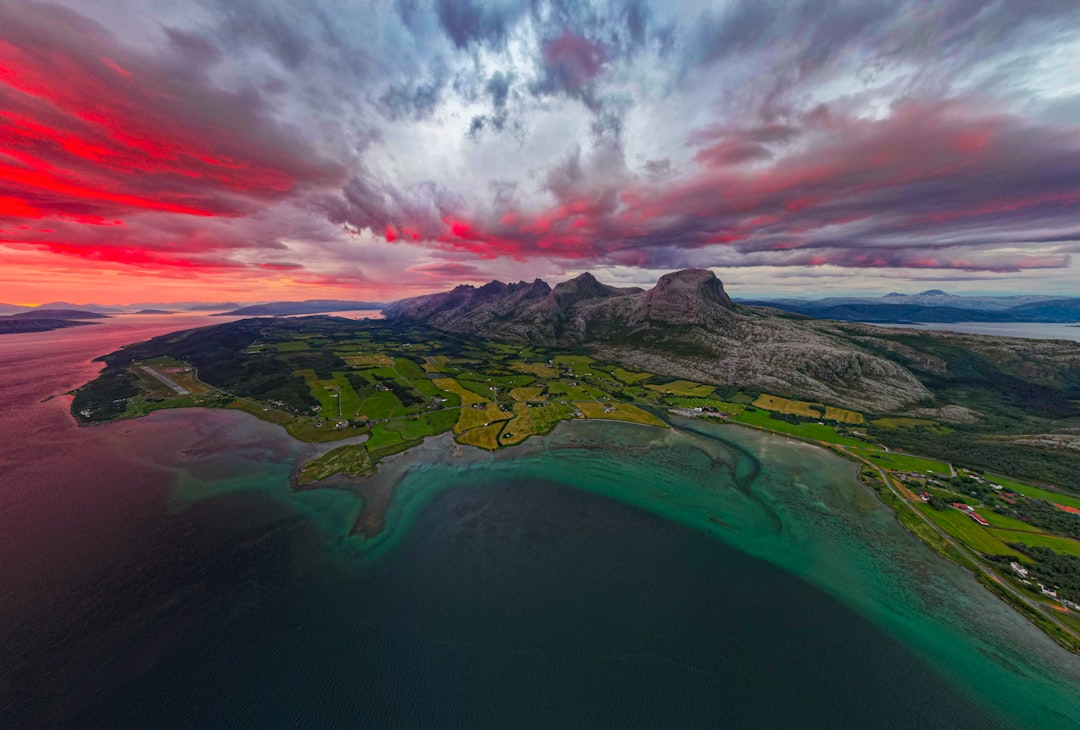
(687, 326)
(310, 306)
(932, 306)
(14, 325)
(59, 314)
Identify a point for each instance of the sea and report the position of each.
(1031, 330)
(162, 573)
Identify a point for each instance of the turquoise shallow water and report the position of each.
(161, 573)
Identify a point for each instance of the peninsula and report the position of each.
(973, 440)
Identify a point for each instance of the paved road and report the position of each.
(180, 390)
(976, 559)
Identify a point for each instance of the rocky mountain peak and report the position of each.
(582, 288)
(689, 287)
(492, 289)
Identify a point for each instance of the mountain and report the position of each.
(310, 306)
(59, 314)
(154, 311)
(80, 307)
(15, 325)
(1060, 310)
(686, 326)
(932, 306)
(6, 309)
(211, 306)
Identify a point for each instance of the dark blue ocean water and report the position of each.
(161, 574)
(506, 605)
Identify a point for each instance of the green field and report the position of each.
(520, 427)
(808, 430)
(630, 377)
(324, 391)
(1039, 539)
(408, 369)
(683, 387)
(732, 409)
(1035, 492)
(893, 424)
(380, 405)
(532, 392)
(843, 415)
(351, 460)
(573, 361)
(295, 346)
(619, 412)
(546, 417)
(965, 529)
(470, 417)
(904, 462)
(452, 386)
(382, 373)
(485, 437)
(563, 391)
(350, 401)
(382, 435)
(420, 426)
(791, 407)
(1002, 521)
(540, 370)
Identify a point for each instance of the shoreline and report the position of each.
(377, 496)
(944, 545)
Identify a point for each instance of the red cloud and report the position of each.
(572, 60)
(93, 132)
(856, 192)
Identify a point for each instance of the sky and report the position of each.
(243, 150)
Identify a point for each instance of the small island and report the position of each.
(45, 320)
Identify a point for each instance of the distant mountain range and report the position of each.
(59, 314)
(43, 320)
(12, 325)
(933, 305)
(309, 306)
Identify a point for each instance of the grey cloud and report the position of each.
(467, 22)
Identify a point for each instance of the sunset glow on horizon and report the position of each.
(233, 150)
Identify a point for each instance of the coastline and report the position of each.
(377, 490)
(942, 544)
(649, 469)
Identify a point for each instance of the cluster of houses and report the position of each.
(970, 512)
(1024, 573)
(909, 476)
(701, 411)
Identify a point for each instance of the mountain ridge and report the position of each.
(307, 306)
(685, 326)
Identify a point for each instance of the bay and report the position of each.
(161, 572)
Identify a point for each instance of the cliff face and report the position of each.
(686, 326)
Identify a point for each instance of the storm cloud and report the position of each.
(322, 144)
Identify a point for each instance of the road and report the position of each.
(180, 390)
(971, 555)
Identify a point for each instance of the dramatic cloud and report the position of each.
(285, 144)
